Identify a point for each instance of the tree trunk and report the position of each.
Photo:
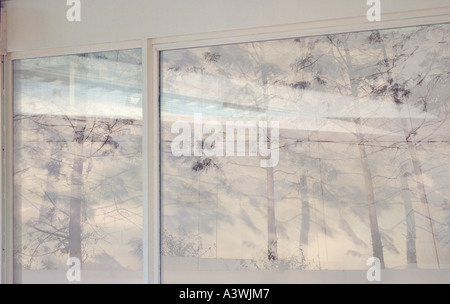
(420, 185)
(272, 238)
(304, 232)
(272, 247)
(50, 194)
(377, 246)
(411, 257)
(76, 195)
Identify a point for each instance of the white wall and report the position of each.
(41, 24)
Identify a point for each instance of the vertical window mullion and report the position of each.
(7, 170)
(151, 191)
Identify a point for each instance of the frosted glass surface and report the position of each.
(363, 166)
(77, 167)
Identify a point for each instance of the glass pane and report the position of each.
(292, 160)
(77, 168)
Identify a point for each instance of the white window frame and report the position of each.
(151, 119)
(398, 20)
(2, 146)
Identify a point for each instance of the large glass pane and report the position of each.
(292, 160)
(77, 168)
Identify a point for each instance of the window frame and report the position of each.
(7, 271)
(151, 49)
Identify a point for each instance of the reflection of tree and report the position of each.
(411, 256)
(304, 76)
(182, 244)
(77, 162)
(296, 262)
(335, 95)
(347, 83)
(76, 191)
(259, 75)
(388, 81)
(252, 69)
(338, 67)
(58, 229)
(444, 235)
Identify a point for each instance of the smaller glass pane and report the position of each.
(77, 168)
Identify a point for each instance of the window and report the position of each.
(77, 168)
(283, 159)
